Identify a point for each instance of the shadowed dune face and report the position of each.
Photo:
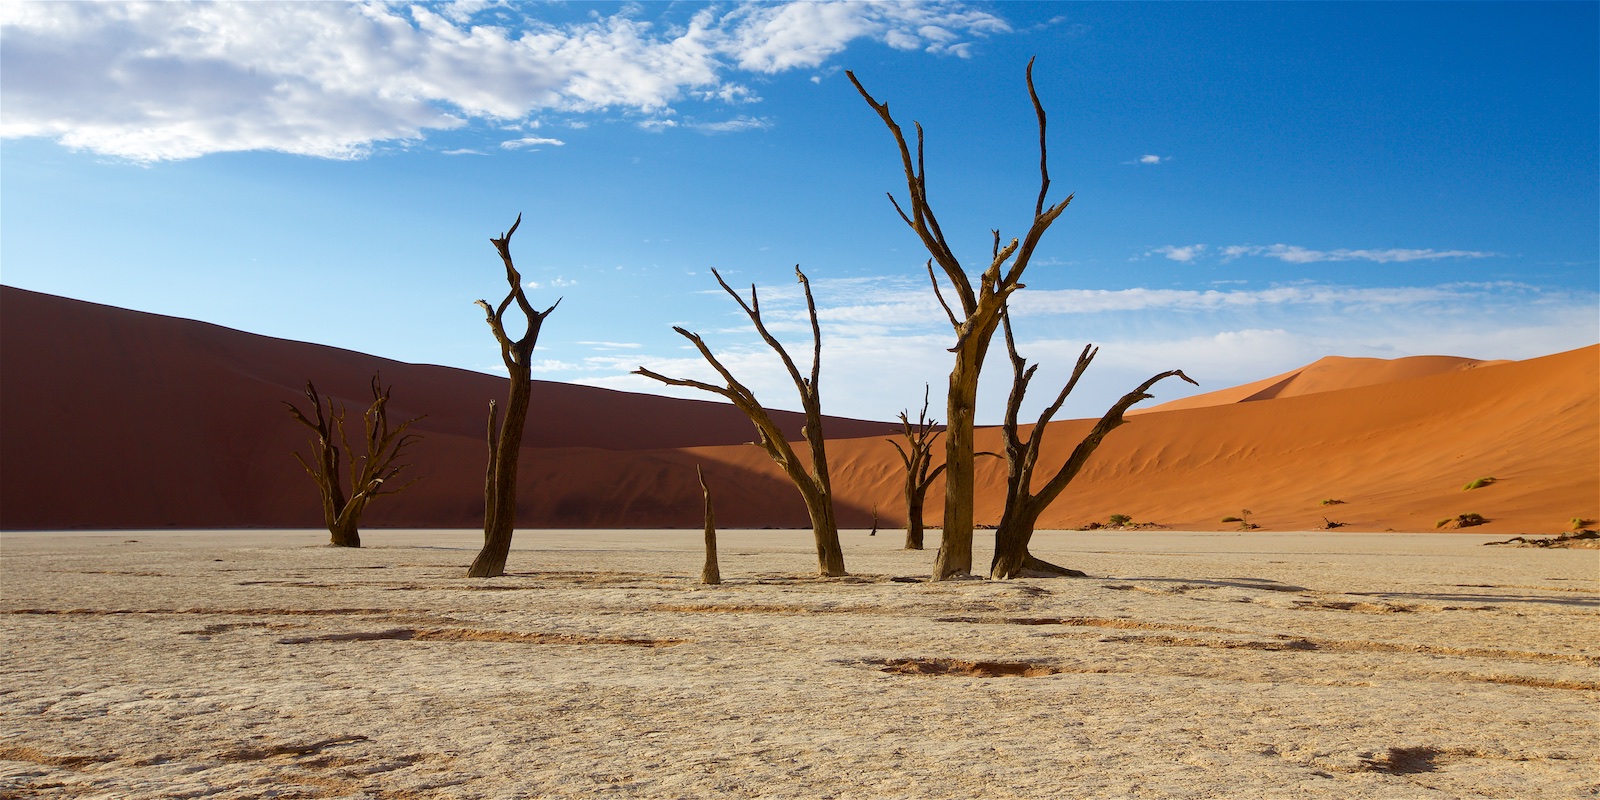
(119, 419)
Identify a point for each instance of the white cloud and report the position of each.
(612, 345)
(162, 81)
(1294, 254)
(531, 141)
(1149, 159)
(736, 125)
(553, 283)
(1185, 254)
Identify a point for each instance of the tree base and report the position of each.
(1033, 567)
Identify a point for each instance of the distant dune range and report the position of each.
(120, 419)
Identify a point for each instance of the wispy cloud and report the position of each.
(531, 141)
(1294, 254)
(162, 81)
(735, 125)
(1186, 253)
(554, 283)
(612, 345)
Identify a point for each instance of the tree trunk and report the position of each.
(709, 574)
(830, 555)
(505, 442)
(1011, 556)
(914, 526)
(955, 547)
(345, 535)
(500, 506)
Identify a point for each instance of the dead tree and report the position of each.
(1023, 505)
(371, 474)
(505, 434)
(709, 574)
(980, 316)
(813, 484)
(917, 456)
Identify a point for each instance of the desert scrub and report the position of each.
(1461, 521)
(1119, 520)
(1579, 523)
(1243, 519)
(1332, 502)
(1477, 484)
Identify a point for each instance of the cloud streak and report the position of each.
(164, 81)
(1294, 254)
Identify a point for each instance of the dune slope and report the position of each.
(118, 419)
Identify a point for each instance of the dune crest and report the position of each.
(121, 419)
(1327, 374)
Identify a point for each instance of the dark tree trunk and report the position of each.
(709, 573)
(960, 486)
(813, 484)
(917, 457)
(980, 313)
(1023, 507)
(505, 435)
(370, 473)
(914, 524)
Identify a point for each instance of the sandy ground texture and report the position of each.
(1265, 665)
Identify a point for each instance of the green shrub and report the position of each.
(1579, 523)
(1118, 520)
(1331, 502)
(1477, 484)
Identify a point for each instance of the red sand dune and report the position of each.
(1325, 375)
(120, 419)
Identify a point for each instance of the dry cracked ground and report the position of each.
(264, 664)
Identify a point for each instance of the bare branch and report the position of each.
(1044, 166)
(954, 323)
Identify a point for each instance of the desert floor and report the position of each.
(1264, 665)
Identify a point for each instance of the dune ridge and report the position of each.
(120, 419)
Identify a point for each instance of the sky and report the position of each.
(1256, 185)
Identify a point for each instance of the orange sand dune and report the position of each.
(115, 418)
(1326, 375)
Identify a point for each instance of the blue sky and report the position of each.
(1257, 185)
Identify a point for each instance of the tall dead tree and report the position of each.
(1023, 505)
(371, 474)
(917, 456)
(980, 315)
(813, 484)
(505, 434)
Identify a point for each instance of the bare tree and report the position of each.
(505, 435)
(980, 315)
(1023, 506)
(709, 573)
(917, 456)
(371, 474)
(813, 484)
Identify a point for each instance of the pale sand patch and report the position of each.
(261, 664)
